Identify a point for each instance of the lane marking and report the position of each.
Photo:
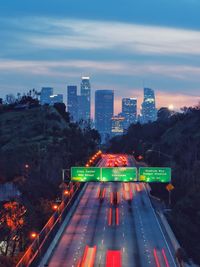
(160, 227)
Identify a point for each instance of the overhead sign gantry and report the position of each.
(95, 174)
(121, 174)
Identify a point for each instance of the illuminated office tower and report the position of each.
(72, 102)
(129, 111)
(117, 125)
(104, 108)
(85, 100)
(149, 111)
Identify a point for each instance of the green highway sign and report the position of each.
(119, 174)
(95, 174)
(154, 174)
(83, 174)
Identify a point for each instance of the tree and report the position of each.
(61, 108)
(11, 225)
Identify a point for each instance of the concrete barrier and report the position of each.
(176, 245)
(38, 248)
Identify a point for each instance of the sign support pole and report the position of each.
(169, 198)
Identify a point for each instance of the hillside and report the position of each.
(35, 145)
(175, 142)
(29, 126)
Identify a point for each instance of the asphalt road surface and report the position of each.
(117, 223)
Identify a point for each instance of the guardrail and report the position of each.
(39, 246)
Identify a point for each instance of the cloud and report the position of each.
(132, 38)
(88, 35)
(94, 67)
(48, 50)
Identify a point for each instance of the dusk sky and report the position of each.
(122, 45)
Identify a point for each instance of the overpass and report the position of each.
(112, 225)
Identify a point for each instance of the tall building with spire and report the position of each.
(84, 101)
(149, 111)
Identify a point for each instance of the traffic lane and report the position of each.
(103, 235)
(131, 161)
(127, 236)
(96, 209)
(76, 223)
(106, 236)
(102, 162)
(95, 217)
(161, 246)
(70, 244)
(121, 238)
(144, 244)
(152, 235)
(101, 231)
(139, 257)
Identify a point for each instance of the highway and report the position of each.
(114, 226)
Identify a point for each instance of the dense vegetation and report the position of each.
(36, 143)
(173, 140)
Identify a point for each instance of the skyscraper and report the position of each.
(85, 99)
(45, 94)
(56, 99)
(104, 108)
(81, 105)
(129, 111)
(117, 125)
(149, 112)
(72, 102)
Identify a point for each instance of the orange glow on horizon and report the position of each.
(163, 99)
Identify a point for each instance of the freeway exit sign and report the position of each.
(95, 174)
(83, 174)
(154, 175)
(119, 174)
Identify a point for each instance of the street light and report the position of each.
(140, 157)
(55, 207)
(33, 235)
(66, 192)
(26, 166)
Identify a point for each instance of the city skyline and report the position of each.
(137, 45)
(138, 95)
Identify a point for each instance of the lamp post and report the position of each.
(170, 157)
(35, 237)
(65, 186)
(161, 153)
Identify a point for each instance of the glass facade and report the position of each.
(45, 94)
(129, 111)
(104, 108)
(72, 102)
(117, 125)
(56, 99)
(85, 99)
(149, 111)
